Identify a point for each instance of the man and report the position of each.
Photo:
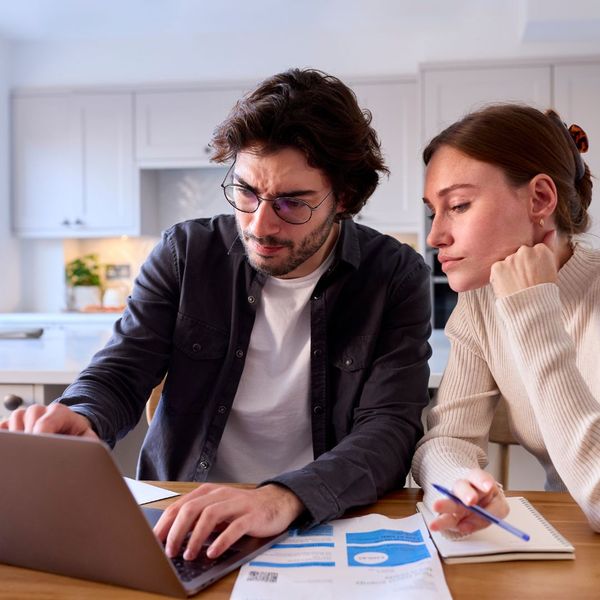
(294, 341)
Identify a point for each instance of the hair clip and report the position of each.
(580, 138)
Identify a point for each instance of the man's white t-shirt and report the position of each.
(268, 431)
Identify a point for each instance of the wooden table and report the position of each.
(577, 580)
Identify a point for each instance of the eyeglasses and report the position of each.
(287, 208)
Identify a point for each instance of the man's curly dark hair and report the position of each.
(317, 114)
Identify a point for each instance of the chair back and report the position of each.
(152, 402)
(500, 434)
(500, 430)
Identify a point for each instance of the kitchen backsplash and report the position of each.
(190, 193)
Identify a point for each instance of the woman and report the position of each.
(508, 190)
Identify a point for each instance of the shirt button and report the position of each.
(348, 362)
(222, 410)
(317, 353)
(239, 353)
(251, 299)
(196, 347)
(317, 410)
(204, 464)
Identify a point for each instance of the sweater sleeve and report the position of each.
(459, 422)
(566, 410)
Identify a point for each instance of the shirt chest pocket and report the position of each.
(199, 352)
(199, 341)
(352, 354)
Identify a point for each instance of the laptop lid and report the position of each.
(67, 510)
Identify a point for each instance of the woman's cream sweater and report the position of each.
(539, 349)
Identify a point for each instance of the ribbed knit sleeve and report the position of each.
(459, 422)
(567, 412)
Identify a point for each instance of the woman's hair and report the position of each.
(316, 114)
(524, 142)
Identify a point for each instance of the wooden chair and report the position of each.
(152, 402)
(500, 434)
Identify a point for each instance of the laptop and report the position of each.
(66, 509)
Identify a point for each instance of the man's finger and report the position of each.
(223, 512)
(31, 415)
(15, 420)
(184, 522)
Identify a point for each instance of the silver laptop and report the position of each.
(66, 509)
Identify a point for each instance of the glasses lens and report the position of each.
(292, 210)
(241, 198)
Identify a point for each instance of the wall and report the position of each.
(247, 41)
(10, 273)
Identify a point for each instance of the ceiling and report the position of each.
(59, 20)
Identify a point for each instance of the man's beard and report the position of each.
(299, 253)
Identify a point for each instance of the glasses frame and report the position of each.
(272, 201)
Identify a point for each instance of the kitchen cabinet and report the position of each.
(577, 98)
(17, 395)
(449, 93)
(73, 165)
(395, 206)
(173, 127)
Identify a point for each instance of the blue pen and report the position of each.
(483, 513)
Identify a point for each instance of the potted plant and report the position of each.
(83, 283)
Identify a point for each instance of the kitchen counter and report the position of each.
(55, 358)
(437, 363)
(91, 319)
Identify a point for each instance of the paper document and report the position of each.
(144, 492)
(362, 558)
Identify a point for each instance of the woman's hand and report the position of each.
(528, 266)
(478, 488)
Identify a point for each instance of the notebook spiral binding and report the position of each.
(547, 526)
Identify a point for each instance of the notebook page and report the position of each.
(492, 539)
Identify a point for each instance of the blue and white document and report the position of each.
(365, 557)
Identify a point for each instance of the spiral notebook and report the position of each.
(493, 544)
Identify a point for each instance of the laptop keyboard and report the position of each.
(190, 569)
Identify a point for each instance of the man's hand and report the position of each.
(260, 512)
(527, 267)
(478, 488)
(55, 418)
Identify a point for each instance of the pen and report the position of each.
(483, 513)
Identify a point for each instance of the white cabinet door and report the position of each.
(46, 163)
(73, 165)
(173, 128)
(396, 204)
(108, 205)
(448, 94)
(577, 98)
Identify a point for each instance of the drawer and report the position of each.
(26, 392)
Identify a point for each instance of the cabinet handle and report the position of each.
(66, 222)
(78, 222)
(12, 402)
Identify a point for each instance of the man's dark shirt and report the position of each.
(191, 314)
